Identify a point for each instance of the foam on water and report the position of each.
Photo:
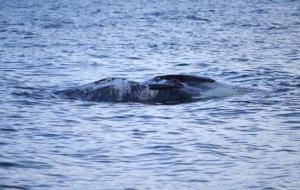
(225, 90)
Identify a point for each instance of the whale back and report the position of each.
(106, 90)
(161, 89)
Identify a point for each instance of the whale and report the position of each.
(164, 89)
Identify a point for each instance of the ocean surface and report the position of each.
(249, 141)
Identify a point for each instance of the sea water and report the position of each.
(249, 141)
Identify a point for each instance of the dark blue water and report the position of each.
(240, 142)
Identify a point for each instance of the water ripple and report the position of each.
(248, 141)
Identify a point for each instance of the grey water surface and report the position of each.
(250, 141)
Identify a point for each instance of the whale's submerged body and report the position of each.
(161, 89)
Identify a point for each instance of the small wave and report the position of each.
(196, 18)
(12, 187)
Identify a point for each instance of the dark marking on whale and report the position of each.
(165, 89)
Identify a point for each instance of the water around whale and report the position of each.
(248, 141)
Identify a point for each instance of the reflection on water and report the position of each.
(237, 142)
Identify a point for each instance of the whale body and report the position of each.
(160, 89)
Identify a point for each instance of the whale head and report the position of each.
(179, 88)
